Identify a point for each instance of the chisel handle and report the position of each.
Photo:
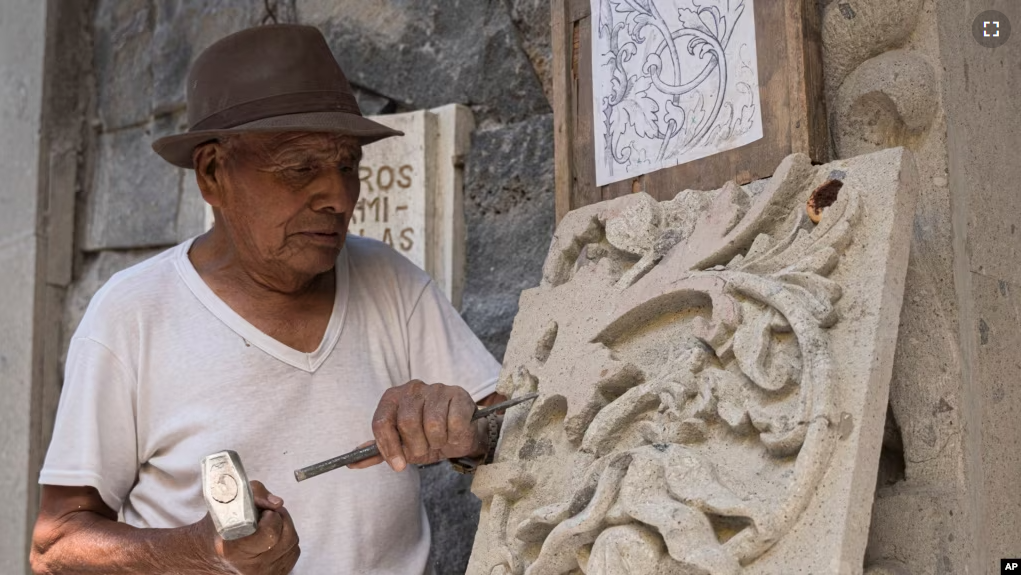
(367, 452)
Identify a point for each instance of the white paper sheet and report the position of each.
(657, 103)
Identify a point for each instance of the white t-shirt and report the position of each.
(161, 373)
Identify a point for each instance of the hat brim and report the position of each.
(177, 149)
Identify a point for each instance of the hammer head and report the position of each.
(228, 495)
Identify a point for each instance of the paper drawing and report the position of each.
(673, 81)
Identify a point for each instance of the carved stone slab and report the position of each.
(713, 374)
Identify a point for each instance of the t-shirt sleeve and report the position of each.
(94, 434)
(442, 348)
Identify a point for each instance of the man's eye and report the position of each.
(301, 169)
(346, 168)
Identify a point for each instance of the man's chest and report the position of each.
(278, 419)
(210, 389)
(302, 329)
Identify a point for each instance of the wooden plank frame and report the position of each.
(791, 96)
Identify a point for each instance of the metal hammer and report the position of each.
(228, 495)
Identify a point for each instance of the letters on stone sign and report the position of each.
(384, 199)
(411, 192)
(704, 366)
(384, 178)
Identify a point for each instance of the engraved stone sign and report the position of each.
(713, 374)
(411, 191)
(398, 183)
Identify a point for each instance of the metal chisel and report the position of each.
(369, 451)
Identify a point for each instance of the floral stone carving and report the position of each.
(713, 375)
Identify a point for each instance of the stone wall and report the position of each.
(492, 56)
(980, 94)
(893, 77)
(882, 78)
(22, 25)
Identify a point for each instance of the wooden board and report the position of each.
(791, 95)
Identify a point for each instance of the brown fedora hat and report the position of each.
(277, 78)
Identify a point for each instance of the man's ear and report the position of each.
(208, 161)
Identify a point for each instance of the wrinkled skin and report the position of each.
(282, 204)
(77, 533)
(419, 423)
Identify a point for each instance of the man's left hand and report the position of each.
(419, 423)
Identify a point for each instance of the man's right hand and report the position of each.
(77, 533)
(272, 549)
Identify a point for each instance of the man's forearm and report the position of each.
(89, 543)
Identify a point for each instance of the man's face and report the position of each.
(287, 199)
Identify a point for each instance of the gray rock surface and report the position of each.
(509, 218)
(143, 51)
(372, 104)
(182, 30)
(122, 61)
(532, 19)
(453, 513)
(134, 197)
(427, 54)
(23, 45)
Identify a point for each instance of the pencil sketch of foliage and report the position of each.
(673, 81)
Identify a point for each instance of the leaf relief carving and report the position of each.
(706, 460)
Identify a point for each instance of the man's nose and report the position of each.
(335, 193)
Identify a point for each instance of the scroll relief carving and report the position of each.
(687, 407)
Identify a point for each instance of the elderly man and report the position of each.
(272, 334)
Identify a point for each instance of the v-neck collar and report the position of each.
(307, 361)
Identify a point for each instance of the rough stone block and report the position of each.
(134, 198)
(713, 374)
(23, 43)
(925, 546)
(453, 513)
(532, 19)
(371, 104)
(509, 217)
(890, 98)
(924, 396)
(143, 51)
(996, 340)
(123, 62)
(402, 50)
(17, 259)
(853, 32)
(994, 247)
(183, 29)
